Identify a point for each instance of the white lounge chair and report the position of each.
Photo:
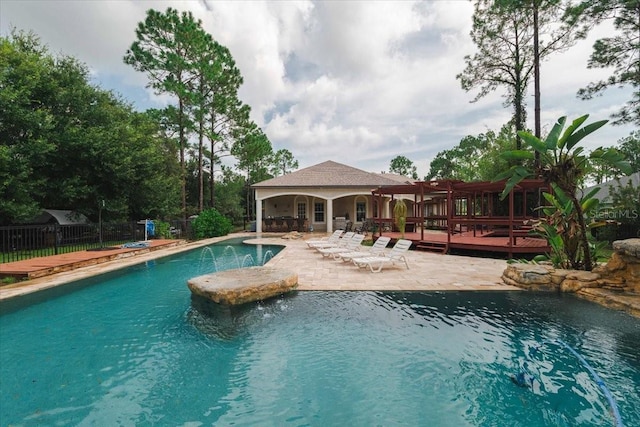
(375, 263)
(363, 251)
(334, 238)
(341, 243)
(352, 245)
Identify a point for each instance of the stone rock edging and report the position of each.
(621, 273)
(240, 286)
(537, 277)
(615, 284)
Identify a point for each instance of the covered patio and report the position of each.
(323, 197)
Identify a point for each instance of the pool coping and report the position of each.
(427, 271)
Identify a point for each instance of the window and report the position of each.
(302, 210)
(318, 212)
(361, 211)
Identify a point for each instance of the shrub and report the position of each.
(8, 280)
(163, 229)
(211, 223)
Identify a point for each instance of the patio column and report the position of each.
(258, 215)
(329, 215)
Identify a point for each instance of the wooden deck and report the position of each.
(43, 266)
(437, 241)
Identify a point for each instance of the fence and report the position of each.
(30, 241)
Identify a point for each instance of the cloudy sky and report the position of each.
(358, 82)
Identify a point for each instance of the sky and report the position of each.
(356, 82)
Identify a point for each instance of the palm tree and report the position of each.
(562, 165)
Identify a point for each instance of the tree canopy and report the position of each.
(403, 166)
(475, 158)
(620, 52)
(503, 31)
(69, 145)
(283, 162)
(184, 61)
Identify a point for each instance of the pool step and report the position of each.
(438, 247)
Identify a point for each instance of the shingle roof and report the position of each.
(606, 187)
(328, 174)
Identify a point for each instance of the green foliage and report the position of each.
(563, 165)
(599, 250)
(253, 151)
(475, 158)
(168, 48)
(26, 76)
(400, 215)
(621, 213)
(230, 196)
(162, 229)
(210, 223)
(561, 227)
(617, 52)
(69, 145)
(630, 147)
(503, 31)
(8, 280)
(403, 166)
(283, 162)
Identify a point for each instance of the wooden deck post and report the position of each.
(511, 223)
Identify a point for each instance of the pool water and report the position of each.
(133, 348)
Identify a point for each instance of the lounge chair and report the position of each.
(334, 238)
(341, 243)
(351, 245)
(376, 250)
(375, 263)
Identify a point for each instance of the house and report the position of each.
(605, 188)
(464, 215)
(324, 197)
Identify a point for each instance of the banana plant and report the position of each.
(560, 226)
(559, 161)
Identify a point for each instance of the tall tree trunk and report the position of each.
(200, 164)
(518, 95)
(183, 172)
(213, 156)
(536, 75)
(536, 90)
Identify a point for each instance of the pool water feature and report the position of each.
(132, 349)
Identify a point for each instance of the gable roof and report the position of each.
(606, 187)
(328, 174)
(399, 179)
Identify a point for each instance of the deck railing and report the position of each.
(19, 242)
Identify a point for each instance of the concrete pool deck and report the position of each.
(428, 271)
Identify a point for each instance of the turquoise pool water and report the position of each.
(132, 348)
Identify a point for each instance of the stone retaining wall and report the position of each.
(619, 277)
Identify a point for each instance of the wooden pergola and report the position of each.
(470, 207)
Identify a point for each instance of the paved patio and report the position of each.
(427, 272)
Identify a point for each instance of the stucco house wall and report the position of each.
(322, 193)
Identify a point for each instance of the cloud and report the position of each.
(352, 81)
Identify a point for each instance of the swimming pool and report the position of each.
(133, 349)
